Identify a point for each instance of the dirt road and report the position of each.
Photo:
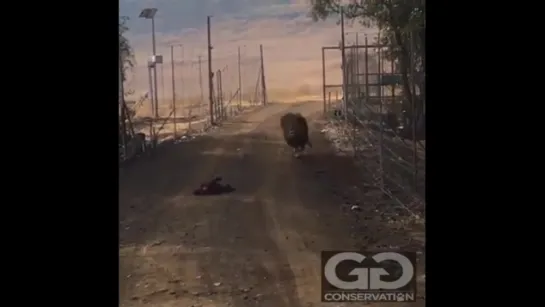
(259, 246)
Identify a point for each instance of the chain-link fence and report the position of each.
(238, 82)
(379, 123)
(184, 94)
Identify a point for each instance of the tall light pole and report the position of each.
(201, 111)
(210, 73)
(151, 91)
(173, 86)
(239, 80)
(163, 82)
(149, 13)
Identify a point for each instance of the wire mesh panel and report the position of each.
(237, 81)
(183, 92)
(379, 126)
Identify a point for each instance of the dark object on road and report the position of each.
(391, 121)
(407, 131)
(136, 145)
(213, 187)
(295, 130)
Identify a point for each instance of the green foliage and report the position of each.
(402, 26)
(127, 53)
(396, 19)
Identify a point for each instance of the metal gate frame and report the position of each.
(352, 105)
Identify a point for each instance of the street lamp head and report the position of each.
(148, 13)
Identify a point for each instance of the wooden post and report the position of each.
(239, 81)
(220, 97)
(323, 81)
(173, 89)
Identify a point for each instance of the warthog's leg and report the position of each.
(293, 151)
(298, 151)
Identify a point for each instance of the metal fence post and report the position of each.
(173, 89)
(381, 132)
(344, 70)
(263, 83)
(323, 80)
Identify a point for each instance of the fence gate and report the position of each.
(375, 112)
(367, 74)
(332, 93)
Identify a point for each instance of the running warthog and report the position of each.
(295, 130)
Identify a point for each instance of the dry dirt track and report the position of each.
(259, 246)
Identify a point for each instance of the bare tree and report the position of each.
(127, 53)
